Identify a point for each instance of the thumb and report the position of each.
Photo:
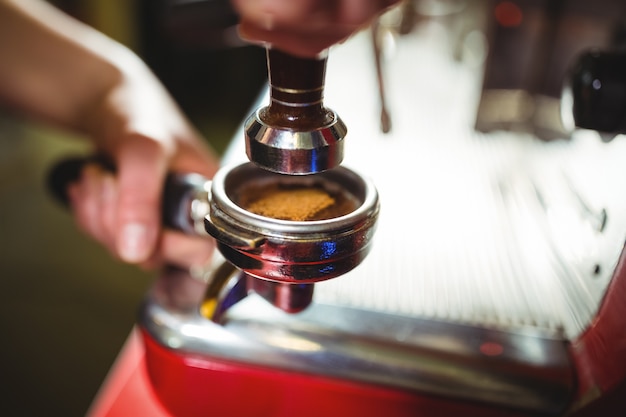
(142, 165)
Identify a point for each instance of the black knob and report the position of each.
(598, 91)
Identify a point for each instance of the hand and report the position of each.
(62, 72)
(146, 135)
(305, 27)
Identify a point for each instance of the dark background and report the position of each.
(66, 307)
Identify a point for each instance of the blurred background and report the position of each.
(66, 307)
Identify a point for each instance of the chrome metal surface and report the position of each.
(288, 297)
(295, 152)
(521, 89)
(524, 370)
(227, 286)
(291, 251)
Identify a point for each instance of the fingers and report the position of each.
(357, 13)
(124, 212)
(305, 27)
(93, 201)
(141, 129)
(142, 164)
(297, 44)
(183, 251)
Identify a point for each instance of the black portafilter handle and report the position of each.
(178, 192)
(597, 91)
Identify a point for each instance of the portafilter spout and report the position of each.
(295, 134)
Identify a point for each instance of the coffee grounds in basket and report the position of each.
(295, 202)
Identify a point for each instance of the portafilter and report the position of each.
(279, 254)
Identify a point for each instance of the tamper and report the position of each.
(295, 134)
(292, 216)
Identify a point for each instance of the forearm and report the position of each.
(52, 66)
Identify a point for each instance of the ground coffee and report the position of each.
(295, 202)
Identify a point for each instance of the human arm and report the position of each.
(60, 71)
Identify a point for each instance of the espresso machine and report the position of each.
(478, 269)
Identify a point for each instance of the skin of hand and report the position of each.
(57, 70)
(305, 27)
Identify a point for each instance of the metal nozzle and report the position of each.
(295, 134)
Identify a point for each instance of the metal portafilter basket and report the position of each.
(292, 251)
(283, 258)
